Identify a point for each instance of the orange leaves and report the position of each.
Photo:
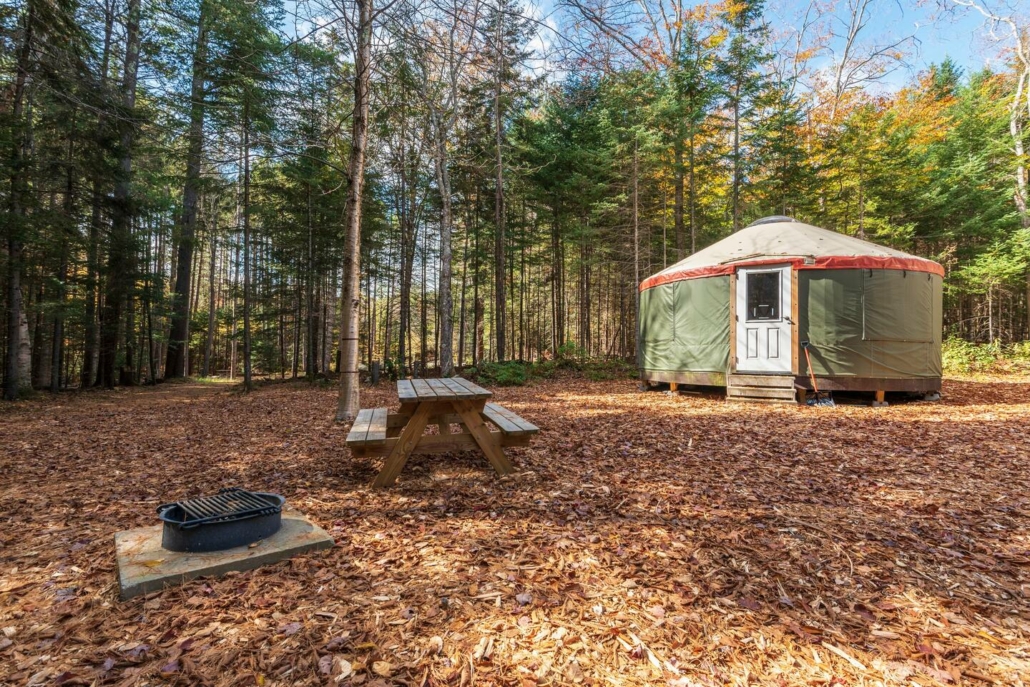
(858, 546)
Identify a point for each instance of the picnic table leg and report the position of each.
(406, 443)
(484, 437)
(441, 422)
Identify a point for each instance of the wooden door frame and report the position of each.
(795, 328)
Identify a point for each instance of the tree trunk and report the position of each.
(445, 354)
(119, 261)
(464, 291)
(678, 197)
(175, 365)
(92, 332)
(499, 216)
(1016, 130)
(209, 343)
(349, 402)
(736, 160)
(13, 380)
(248, 381)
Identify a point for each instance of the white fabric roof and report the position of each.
(788, 238)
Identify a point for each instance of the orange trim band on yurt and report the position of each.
(829, 262)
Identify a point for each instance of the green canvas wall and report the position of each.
(862, 323)
(871, 323)
(684, 326)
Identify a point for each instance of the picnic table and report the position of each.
(445, 403)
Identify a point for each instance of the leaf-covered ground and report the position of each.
(646, 539)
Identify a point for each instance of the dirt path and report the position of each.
(646, 539)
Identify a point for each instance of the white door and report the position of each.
(764, 330)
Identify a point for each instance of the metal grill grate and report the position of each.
(228, 504)
(232, 517)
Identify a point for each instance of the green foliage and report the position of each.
(570, 350)
(509, 373)
(965, 357)
(606, 370)
(517, 373)
(392, 369)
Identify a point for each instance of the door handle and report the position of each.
(788, 320)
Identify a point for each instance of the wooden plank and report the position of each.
(435, 443)
(377, 427)
(423, 391)
(527, 426)
(458, 388)
(759, 392)
(795, 328)
(493, 414)
(442, 425)
(488, 441)
(406, 392)
(514, 424)
(733, 322)
(784, 381)
(400, 419)
(359, 430)
(913, 384)
(441, 389)
(686, 378)
(406, 442)
(474, 389)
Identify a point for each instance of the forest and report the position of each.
(287, 189)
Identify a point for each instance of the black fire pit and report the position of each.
(232, 517)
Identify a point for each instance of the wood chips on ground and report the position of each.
(646, 539)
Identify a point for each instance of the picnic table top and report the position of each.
(447, 389)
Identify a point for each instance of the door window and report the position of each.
(763, 296)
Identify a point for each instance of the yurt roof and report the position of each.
(781, 240)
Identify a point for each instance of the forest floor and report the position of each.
(645, 539)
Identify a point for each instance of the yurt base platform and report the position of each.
(760, 388)
(788, 388)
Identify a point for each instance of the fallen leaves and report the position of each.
(646, 539)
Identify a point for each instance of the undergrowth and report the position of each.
(519, 373)
(965, 357)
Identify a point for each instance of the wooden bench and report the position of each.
(510, 424)
(375, 431)
(369, 429)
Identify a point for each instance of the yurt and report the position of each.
(741, 312)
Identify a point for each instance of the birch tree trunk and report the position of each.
(349, 402)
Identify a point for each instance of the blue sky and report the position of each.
(959, 33)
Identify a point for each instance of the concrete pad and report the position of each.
(143, 566)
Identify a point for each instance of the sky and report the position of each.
(960, 34)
